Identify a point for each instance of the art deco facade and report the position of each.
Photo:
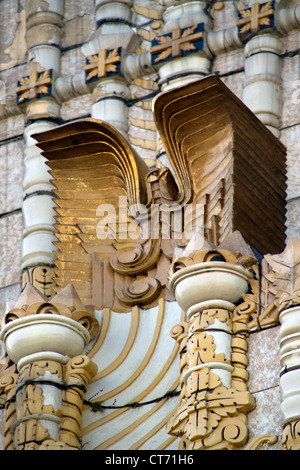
(149, 219)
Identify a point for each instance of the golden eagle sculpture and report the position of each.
(118, 223)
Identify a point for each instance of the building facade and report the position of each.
(149, 216)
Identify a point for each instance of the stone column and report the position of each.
(214, 398)
(288, 19)
(262, 92)
(290, 376)
(39, 102)
(182, 70)
(113, 40)
(110, 103)
(44, 398)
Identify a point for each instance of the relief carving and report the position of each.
(31, 424)
(210, 415)
(117, 255)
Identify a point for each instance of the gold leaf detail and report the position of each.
(267, 6)
(245, 13)
(24, 81)
(113, 53)
(163, 55)
(189, 31)
(163, 39)
(111, 68)
(188, 46)
(42, 90)
(245, 28)
(24, 96)
(92, 59)
(92, 74)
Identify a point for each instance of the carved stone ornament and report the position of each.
(276, 285)
(40, 277)
(259, 17)
(43, 394)
(36, 85)
(121, 229)
(105, 63)
(67, 304)
(44, 404)
(118, 223)
(177, 44)
(208, 285)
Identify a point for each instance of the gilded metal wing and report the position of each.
(92, 166)
(226, 159)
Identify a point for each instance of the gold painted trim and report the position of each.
(115, 414)
(106, 314)
(151, 433)
(146, 360)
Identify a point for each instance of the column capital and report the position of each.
(39, 328)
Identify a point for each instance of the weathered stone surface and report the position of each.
(11, 173)
(290, 92)
(293, 217)
(263, 357)
(265, 419)
(10, 249)
(79, 106)
(12, 43)
(290, 138)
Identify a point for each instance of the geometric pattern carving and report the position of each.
(40, 277)
(37, 85)
(104, 64)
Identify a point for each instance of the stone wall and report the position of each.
(78, 28)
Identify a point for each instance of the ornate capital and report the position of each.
(37, 328)
(45, 339)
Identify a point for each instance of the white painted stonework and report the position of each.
(44, 337)
(136, 360)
